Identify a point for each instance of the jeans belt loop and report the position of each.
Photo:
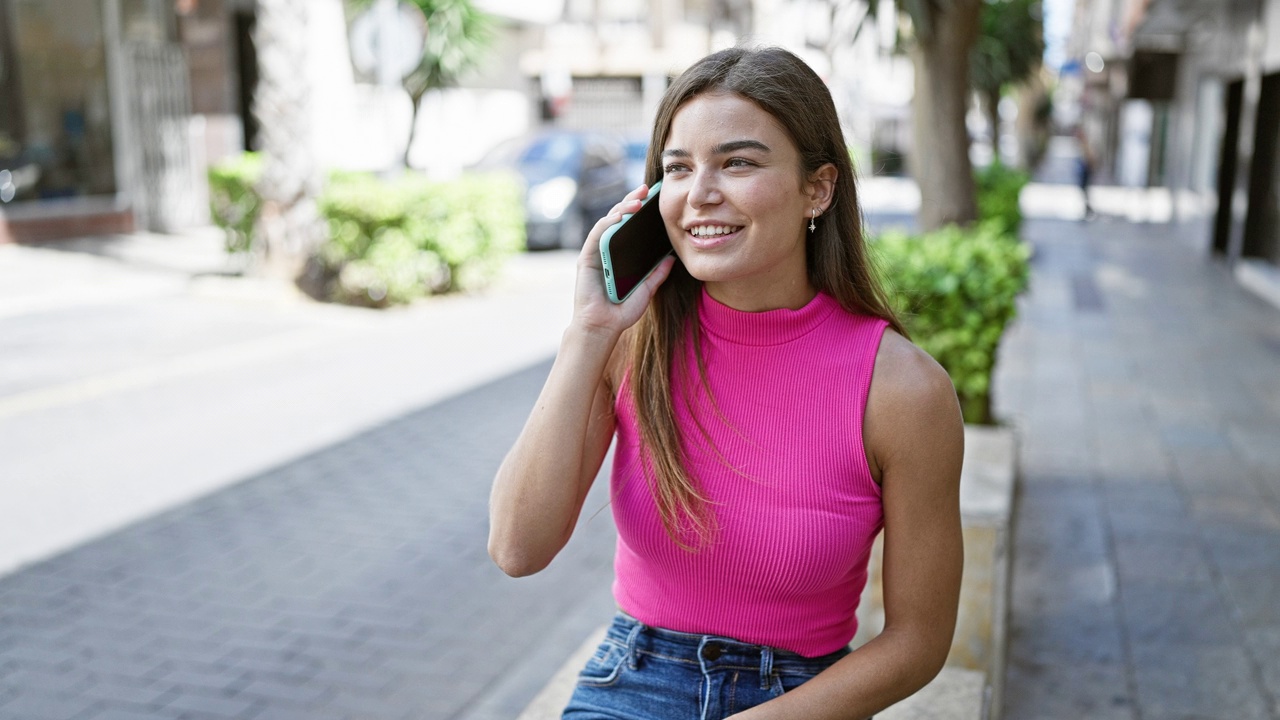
(632, 643)
(766, 667)
(706, 678)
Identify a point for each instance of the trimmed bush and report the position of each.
(393, 241)
(998, 189)
(955, 290)
(387, 241)
(233, 200)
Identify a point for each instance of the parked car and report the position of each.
(637, 154)
(572, 179)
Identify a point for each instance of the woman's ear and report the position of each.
(821, 187)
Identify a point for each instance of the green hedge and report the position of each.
(998, 188)
(393, 241)
(233, 202)
(387, 241)
(955, 290)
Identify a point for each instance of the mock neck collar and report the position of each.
(770, 327)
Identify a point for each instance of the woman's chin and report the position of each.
(709, 272)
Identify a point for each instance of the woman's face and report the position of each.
(734, 203)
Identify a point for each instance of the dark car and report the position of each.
(572, 179)
(637, 154)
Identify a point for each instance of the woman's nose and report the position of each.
(704, 189)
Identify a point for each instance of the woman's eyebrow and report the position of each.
(722, 148)
(735, 145)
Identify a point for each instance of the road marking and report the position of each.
(78, 391)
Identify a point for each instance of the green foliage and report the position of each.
(393, 241)
(1009, 45)
(955, 289)
(458, 36)
(388, 241)
(233, 200)
(999, 187)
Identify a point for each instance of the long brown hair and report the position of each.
(836, 255)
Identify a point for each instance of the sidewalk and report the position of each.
(1145, 385)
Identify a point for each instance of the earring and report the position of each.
(813, 214)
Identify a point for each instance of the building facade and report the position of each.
(605, 65)
(94, 119)
(1185, 95)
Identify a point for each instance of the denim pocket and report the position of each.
(605, 665)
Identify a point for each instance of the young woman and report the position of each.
(770, 417)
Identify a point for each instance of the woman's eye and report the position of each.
(672, 168)
(739, 162)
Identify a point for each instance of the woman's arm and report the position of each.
(541, 485)
(914, 435)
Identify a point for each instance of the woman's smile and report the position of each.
(711, 236)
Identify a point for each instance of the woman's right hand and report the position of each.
(592, 309)
(542, 484)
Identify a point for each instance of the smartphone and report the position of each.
(632, 247)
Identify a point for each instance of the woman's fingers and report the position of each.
(631, 201)
(640, 192)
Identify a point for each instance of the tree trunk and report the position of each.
(1031, 128)
(416, 101)
(992, 101)
(940, 160)
(288, 226)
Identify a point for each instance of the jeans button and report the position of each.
(711, 651)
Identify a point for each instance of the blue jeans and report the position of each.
(646, 673)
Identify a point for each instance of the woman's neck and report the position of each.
(758, 297)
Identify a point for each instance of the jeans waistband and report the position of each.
(712, 651)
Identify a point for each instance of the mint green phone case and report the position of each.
(631, 257)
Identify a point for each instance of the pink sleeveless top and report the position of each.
(797, 511)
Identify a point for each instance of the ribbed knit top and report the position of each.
(798, 510)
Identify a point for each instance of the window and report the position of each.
(55, 110)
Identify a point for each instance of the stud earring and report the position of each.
(813, 214)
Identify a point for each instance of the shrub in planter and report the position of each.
(233, 200)
(998, 189)
(393, 241)
(955, 289)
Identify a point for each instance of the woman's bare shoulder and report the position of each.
(905, 372)
(911, 403)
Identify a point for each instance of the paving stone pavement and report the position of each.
(352, 583)
(1145, 386)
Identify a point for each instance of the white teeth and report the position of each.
(711, 230)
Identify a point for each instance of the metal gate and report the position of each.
(606, 103)
(168, 190)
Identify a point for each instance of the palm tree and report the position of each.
(458, 35)
(288, 225)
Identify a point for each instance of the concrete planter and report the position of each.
(971, 686)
